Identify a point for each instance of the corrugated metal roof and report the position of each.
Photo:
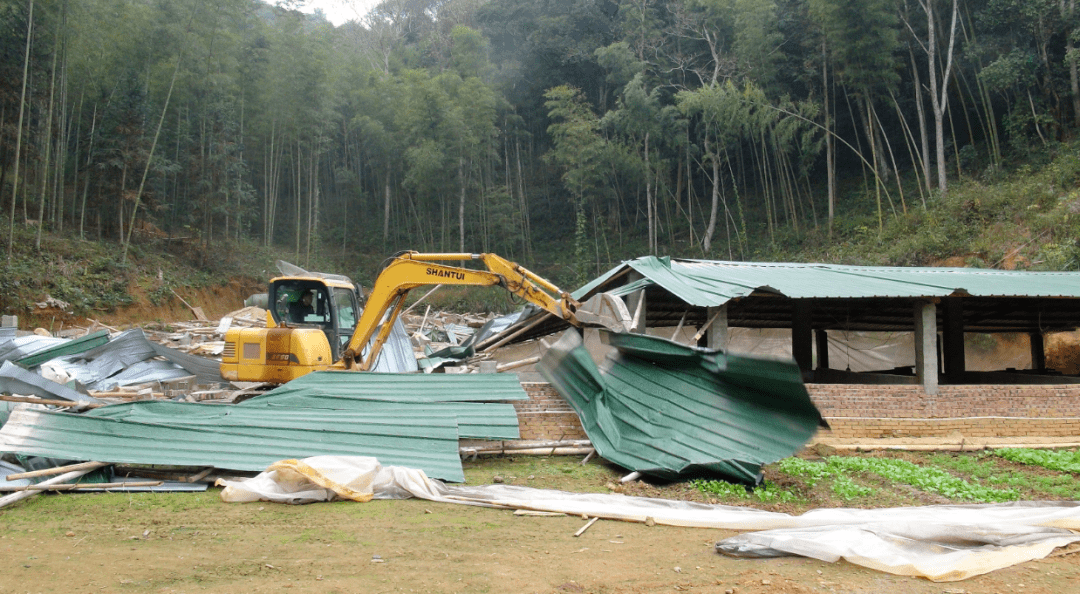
(712, 283)
(408, 387)
(235, 438)
(16, 380)
(669, 410)
(475, 420)
(68, 347)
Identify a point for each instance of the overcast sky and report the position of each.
(339, 11)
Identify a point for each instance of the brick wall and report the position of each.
(546, 416)
(873, 411)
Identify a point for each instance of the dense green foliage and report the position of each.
(566, 134)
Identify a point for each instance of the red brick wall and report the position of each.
(872, 411)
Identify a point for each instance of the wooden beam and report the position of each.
(87, 466)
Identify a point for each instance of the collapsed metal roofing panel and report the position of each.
(17, 347)
(396, 356)
(128, 359)
(475, 420)
(16, 380)
(68, 347)
(249, 439)
(407, 387)
(712, 283)
(206, 371)
(668, 410)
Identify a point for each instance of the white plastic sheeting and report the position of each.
(942, 543)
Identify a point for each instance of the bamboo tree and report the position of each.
(18, 142)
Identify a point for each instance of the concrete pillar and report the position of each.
(926, 346)
(952, 336)
(802, 334)
(1038, 351)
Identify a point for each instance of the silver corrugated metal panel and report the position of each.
(396, 355)
(125, 349)
(206, 371)
(6, 469)
(476, 420)
(408, 387)
(141, 373)
(16, 380)
(183, 434)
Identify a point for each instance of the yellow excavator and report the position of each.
(312, 322)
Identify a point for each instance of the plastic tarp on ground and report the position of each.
(942, 543)
(669, 410)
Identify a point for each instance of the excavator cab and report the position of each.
(312, 319)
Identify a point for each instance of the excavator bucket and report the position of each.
(605, 311)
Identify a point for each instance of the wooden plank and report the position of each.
(57, 470)
(14, 497)
(79, 486)
(586, 527)
(64, 403)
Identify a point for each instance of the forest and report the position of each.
(570, 132)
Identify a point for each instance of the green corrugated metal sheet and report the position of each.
(234, 438)
(713, 283)
(408, 387)
(476, 420)
(71, 347)
(671, 411)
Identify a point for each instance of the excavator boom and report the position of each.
(410, 270)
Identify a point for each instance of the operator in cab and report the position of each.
(300, 309)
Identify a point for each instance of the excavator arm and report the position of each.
(410, 270)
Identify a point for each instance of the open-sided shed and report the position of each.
(939, 305)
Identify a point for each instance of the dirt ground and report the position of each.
(183, 542)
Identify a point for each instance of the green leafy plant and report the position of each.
(1064, 461)
(766, 493)
(932, 480)
(847, 489)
